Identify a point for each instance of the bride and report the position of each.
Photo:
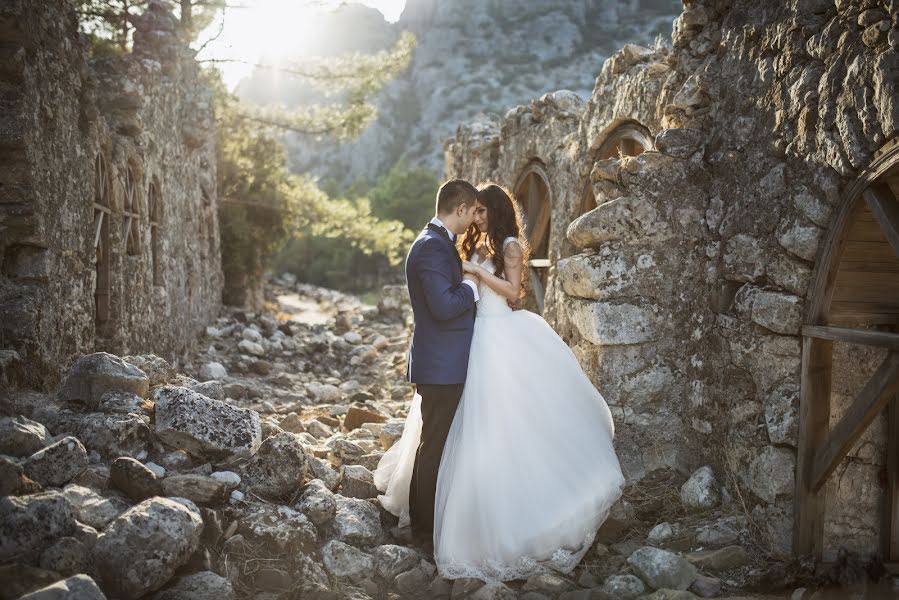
(528, 472)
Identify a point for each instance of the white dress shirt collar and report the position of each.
(439, 223)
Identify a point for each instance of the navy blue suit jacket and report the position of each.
(443, 308)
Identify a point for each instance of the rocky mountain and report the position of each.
(474, 58)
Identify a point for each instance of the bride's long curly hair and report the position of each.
(503, 220)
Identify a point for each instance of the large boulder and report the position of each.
(141, 549)
(203, 426)
(77, 587)
(30, 523)
(278, 469)
(21, 437)
(58, 463)
(95, 374)
(662, 569)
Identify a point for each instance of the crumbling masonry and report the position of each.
(108, 229)
(716, 234)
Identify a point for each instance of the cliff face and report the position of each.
(473, 58)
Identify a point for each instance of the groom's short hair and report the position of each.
(453, 193)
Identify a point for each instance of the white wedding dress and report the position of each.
(528, 473)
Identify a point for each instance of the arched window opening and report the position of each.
(535, 200)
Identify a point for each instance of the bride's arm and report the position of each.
(510, 287)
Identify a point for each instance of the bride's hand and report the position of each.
(471, 268)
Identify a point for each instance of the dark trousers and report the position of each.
(438, 407)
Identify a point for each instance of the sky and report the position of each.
(270, 28)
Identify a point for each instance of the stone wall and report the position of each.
(684, 291)
(146, 119)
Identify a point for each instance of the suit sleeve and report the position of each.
(445, 299)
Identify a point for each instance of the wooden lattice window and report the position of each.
(154, 211)
(102, 212)
(131, 213)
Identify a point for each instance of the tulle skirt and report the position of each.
(528, 473)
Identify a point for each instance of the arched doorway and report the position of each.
(102, 211)
(535, 201)
(854, 299)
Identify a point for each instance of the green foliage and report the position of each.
(403, 194)
(107, 22)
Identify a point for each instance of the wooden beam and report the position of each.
(890, 528)
(883, 204)
(867, 405)
(814, 418)
(866, 337)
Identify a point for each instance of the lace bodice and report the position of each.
(491, 303)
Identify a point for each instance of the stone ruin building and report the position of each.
(108, 229)
(716, 234)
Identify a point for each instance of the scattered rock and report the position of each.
(391, 560)
(317, 503)
(279, 527)
(357, 522)
(66, 556)
(356, 416)
(346, 562)
(196, 488)
(77, 587)
(213, 370)
(58, 463)
(95, 374)
(30, 523)
(198, 586)
(22, 437)
(624, 587)
(203, 426)
(278, 468)
(141, 549)
(722, 559)
(662, 569)
(701, 490)
(91, 508)
(156, 368)
(136, 480)
(659, 534)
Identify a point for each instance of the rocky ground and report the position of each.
(249, 475)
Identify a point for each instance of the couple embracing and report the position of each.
(506, 463)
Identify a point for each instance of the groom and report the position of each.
(443, 305)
